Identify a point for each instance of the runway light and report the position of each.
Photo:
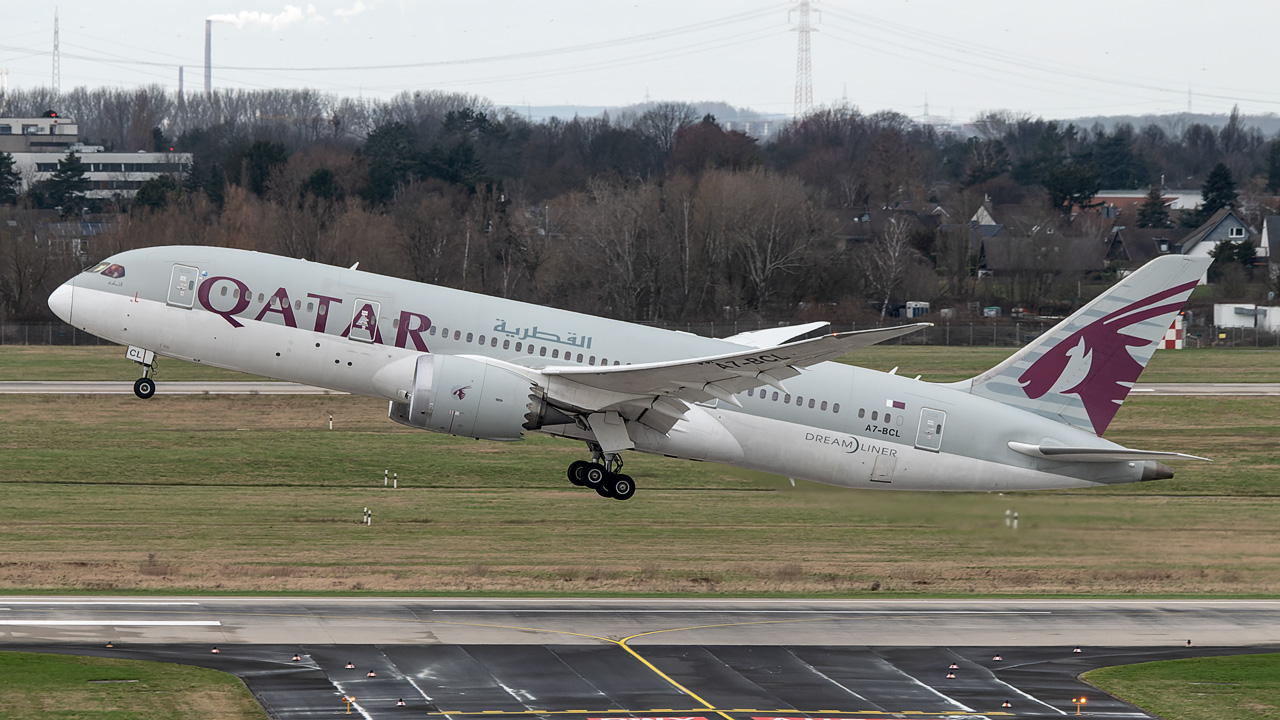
(214, 650)
(296, 658)
(400, 702)
(372, 674)
(1006, 704)
(1076, 650)
(1188, 643)
(997, 658)
(109, 644)
(954, 667)
(1082, 700)
(350, 666)
(951, 676)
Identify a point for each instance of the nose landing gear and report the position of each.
(145, 386)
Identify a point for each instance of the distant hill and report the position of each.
(727, 115)
(1269, 124)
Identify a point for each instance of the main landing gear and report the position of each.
(604, 474)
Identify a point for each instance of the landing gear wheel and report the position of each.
(623, 487)
(594, 475)
(576, 472)
(603, 490)
(144, 387)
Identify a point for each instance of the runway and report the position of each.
(92, 387)
(739, 659)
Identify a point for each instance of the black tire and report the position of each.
(594, 475)
(576, 470)
(603, 490)
(623, 487)
(144, 388)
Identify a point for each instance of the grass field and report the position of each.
(252, 493)
(35, 686)
(1243, 687)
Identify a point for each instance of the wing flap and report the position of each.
(1088, 454)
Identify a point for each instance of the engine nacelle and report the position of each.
(463, 396)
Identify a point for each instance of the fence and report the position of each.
(987, 334)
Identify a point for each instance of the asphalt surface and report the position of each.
(735, 659)
(90, 387)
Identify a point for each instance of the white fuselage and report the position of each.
(835, 424)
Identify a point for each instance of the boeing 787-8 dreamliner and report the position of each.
(483, 367)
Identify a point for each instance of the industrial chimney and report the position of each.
(208, 58)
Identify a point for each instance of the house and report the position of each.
(1225, 225)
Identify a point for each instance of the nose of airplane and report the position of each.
(60, 301)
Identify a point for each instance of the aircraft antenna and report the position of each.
(57, 61)
(804, 63)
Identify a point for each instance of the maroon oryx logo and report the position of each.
(1098, 353)
(460, 392)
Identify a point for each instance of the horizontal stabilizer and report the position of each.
(769, 337)
(1088, 454)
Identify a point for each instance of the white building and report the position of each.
(37, 144)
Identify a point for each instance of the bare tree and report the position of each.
(663, 121)
(886, 261)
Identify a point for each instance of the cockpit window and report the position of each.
(114, 271)
(98, 268)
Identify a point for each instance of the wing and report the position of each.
(667, 386)
(769, 337)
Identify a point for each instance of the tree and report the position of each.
(155, 193)
(9, 180)
(1230, 254)
(259, 160)
(1273, 166)
(661, 122)
(65, 188)
(886, 261)
(1153, 213)
(1071, 185)
(1219, 191)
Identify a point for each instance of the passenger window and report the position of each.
(297, 304)
(518, 346)
(862, 412)
(312, 306)
(235, 293)
(506, 344)
(786, 399)
(445, 333)
(835, 408)
(824, 406)
(493, 342)
(615, 362)
(224, 291)
(542, 351)
(775, 396)
(604, 361)
(481, 338)
(579, 357)
(591, 360)
(555, 354)
(751, 392)
(395, 324)
(875, 414)
(457, 334)
(799, 401)
(811, 403)
(470, 337)
(432, 330)
(259, 297)
(886, 418)
(324, 310)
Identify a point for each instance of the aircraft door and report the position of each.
(929, 435)
(182, 286)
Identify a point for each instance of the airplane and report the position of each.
(476, 366)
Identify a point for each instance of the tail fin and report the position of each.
(1081, 370)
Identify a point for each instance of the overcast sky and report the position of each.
(1053, 59)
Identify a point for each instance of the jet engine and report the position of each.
(469, 397)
